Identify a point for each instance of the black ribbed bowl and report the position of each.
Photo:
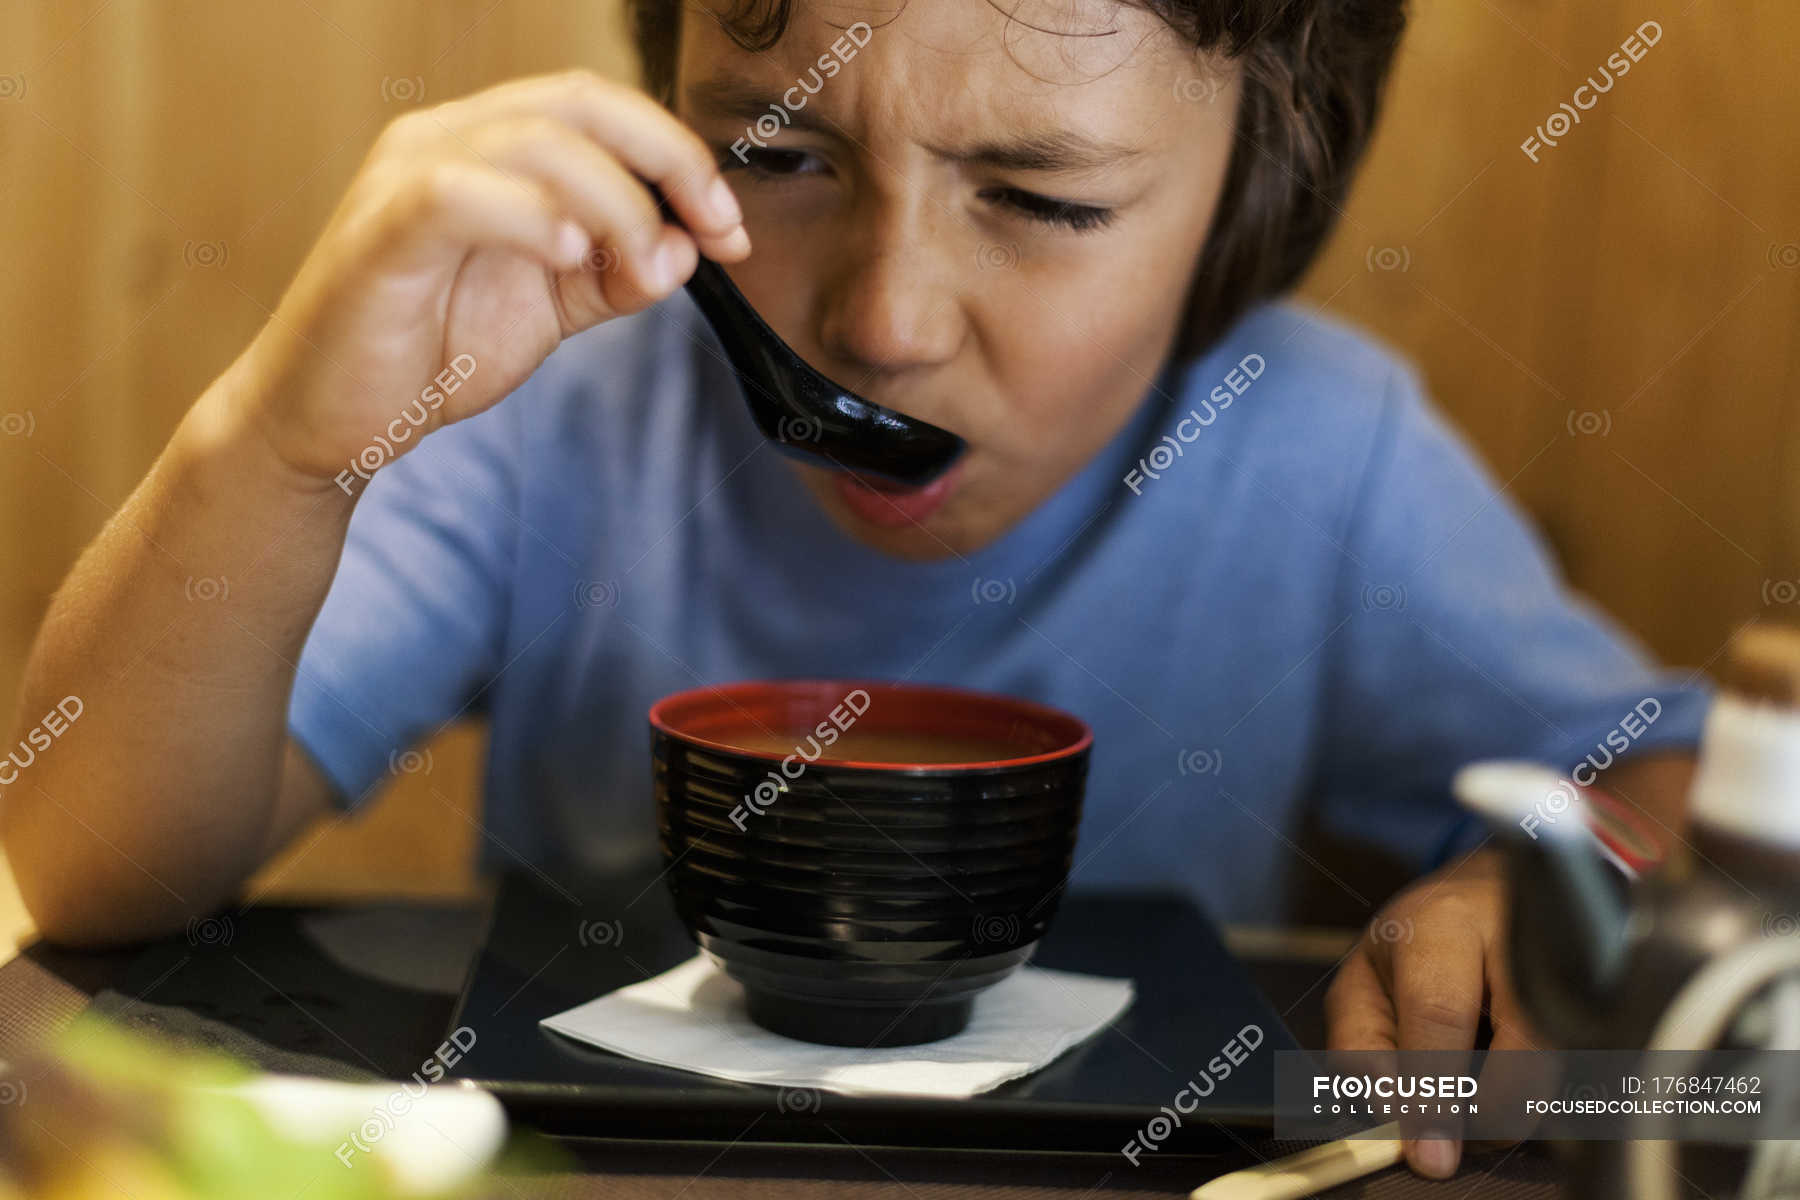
(865, 901)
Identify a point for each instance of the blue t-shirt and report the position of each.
(1286, 597)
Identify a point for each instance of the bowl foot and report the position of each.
(858, 1025)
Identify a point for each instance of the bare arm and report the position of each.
(175, 638)
(176, 633)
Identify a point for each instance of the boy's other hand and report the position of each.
(475, 237)
(1424, 972)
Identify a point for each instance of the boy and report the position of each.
(1231, 536)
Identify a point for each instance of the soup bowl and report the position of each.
(864, 858)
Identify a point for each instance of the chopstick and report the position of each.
(1309, 1171)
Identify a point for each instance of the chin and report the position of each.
(962, 526)
(915, 544)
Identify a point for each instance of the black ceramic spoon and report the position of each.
(802, 411)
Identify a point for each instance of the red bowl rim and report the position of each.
(919, 692)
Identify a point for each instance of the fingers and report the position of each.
(1438, 984)
(1439, 981)
(1358, 1013)
(1512, 1029)
(645, 259)
(575, 148)
(1424, 993)
(650, 142)
(467, 204)
(677, 257)
(1510, 1080)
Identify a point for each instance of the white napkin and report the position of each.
(693, 1017)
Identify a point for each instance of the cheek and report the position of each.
(1073, 358)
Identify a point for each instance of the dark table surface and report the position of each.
(379, 988)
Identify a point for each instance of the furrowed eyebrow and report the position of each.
(1060, 150)
(728, 96)
(1057, 150)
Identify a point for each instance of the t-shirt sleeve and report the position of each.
(413, 627)
(1461, 642)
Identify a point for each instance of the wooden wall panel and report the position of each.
(1636, 274)
(164, 166)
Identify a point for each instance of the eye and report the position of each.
(769, 162)
(1064, 214)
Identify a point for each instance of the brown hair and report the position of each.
(1313, 75)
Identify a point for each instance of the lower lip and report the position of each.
(895, 509)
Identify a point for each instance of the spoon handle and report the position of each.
(733, 319)
(722, 304)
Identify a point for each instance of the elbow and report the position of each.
(65, 916)
(55, 921)
(75, 901)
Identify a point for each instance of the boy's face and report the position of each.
(984, 221)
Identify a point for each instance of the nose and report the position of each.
(891, 305)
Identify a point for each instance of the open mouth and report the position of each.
(890, 505)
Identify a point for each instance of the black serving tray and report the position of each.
(558, 940)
